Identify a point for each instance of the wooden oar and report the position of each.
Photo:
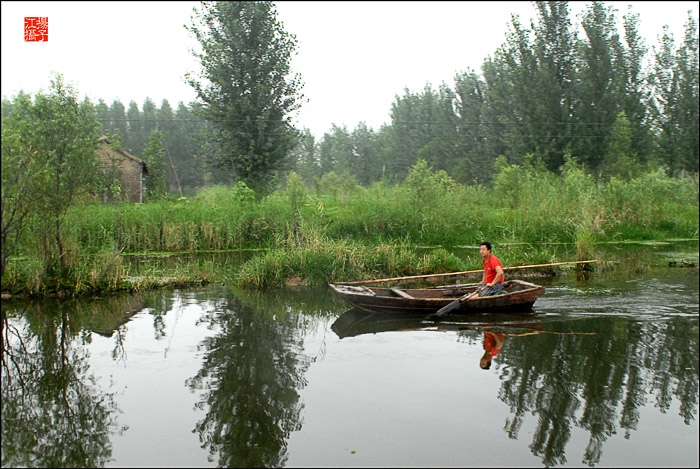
(362, 282)
(455, 304)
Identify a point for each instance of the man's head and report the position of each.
(485, 249)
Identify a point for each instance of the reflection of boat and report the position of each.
(517, 295)
(357, 321)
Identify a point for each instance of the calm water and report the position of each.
(603, 372)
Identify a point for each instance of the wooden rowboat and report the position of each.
(518, 295)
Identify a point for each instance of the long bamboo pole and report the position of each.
(381, 280)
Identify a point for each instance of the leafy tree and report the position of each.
(426, 185)
(65, 134)
(479, 132)
(554, 48)
(442, 151)
(134, 141)
(154, 156)
(358, 153)
(335, 150)
(55, 136)
(621, 160)
(102, 114)
(366, 158)
(384, 140)
(675, 100)
(118, 127)
(148, 121)
(304, 157)
(7, 106)
(187, 147)
(531, 84)
(511, 77)
(687, 111)
(167, 126)
(418, 120)
(598, 99)
(246, 89)
(24, 175)
(336, 184)
(635, 89)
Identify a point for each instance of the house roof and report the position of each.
(104, 140)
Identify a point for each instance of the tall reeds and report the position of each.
(318, 260)
(524, 205)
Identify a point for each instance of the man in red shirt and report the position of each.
(492, 280)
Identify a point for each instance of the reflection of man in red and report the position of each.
(493, 341)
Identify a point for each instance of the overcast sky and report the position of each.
(354, 57)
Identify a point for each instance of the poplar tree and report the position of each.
(479, 132)
(166, 124)
(676, 99)
(418, 119)
(148, 121)
(246, 88)
(688, 110)
(512, 78)
(598, 98)
(635, 92)
(117, 114)
(366, 160)
(154, 156)
(554, 49)
(134, 140)
(102, 115)
(187, 148)
(305, 158)
(334, 150)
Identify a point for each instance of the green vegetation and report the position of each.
(319, 260)
(49, 161)
(154, 157)
(354, 232)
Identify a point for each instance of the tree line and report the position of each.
(548, 91)
(596, 95)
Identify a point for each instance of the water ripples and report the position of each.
(644, 299)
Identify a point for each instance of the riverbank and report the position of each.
(318, 264)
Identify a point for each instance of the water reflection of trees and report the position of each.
(251, 373)
(597, 383)
(53, 412)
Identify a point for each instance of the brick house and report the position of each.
(130, 170)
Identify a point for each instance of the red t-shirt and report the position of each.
(490, 343)
(490, 268)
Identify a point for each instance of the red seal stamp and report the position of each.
(36, 29)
